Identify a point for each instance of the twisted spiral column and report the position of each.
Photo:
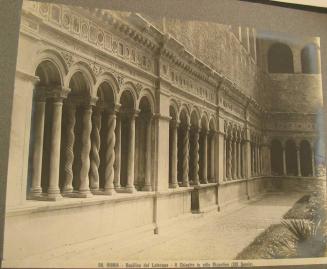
(95, 147)
(84, 189)
(205, 158)
(229, 158)
(186, 146)
(196, 157)
(239, 156)
(110, 155)
(69, 149)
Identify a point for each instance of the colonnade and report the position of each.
(191, 153)
(83, 145)
(292, 158)
(234, 150)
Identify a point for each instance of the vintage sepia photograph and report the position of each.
(145, 141)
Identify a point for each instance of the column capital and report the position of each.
(57, 92)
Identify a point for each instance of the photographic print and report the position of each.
(140, 141)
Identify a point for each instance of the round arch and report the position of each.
(85, 70)
(55, 58)
(146, 93)
(111, 81)
(280, 59)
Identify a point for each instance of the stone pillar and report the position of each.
(196, 180)
(252, 160)
(174, 182)
(39, 113)
(225, 159)
(117, 164)
(284, 162)
(212, 157)
(95, 147)
(186, 146)
(313, 163)
(131, 155)
(148, 169)
(230, 158)
(247, 159)
(69, 148)
(239, 174)
(110, 154)
(234, 175)
(84, 189)
(205, 158)
(298, 160)
(53, 189)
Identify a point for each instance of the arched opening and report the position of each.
(309, 59)
(194, 149)
(41, 127)
(276, 153)
(291, 158)
(173, 145)
(127, 138)
(143, 145)
(306, 158)
(280, 59)
(183, 149)
(102, 136)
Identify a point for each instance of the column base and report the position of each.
(173, 185)
(185, 184)
(129, 189)
(147, 188)
(84, 194)
(97, 192)
(35, 194)
(67, 191)
(110, 191)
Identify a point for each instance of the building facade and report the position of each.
(122, 121)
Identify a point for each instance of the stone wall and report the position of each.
(218, 46)
(294, 93)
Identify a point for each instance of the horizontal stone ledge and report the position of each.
(34, 206)
(205, 186)
(296, 177)
(233, 181)
(172, 191)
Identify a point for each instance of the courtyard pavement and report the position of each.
(210, 236)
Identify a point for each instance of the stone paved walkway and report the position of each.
(211, 236)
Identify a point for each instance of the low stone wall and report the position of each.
(256, 187)
(295, 184)
(231, 192)
(41, 226)
(204, 198)
(173, 203)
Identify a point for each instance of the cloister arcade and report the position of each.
(88, 139)
(94, 138)
(292, 158)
